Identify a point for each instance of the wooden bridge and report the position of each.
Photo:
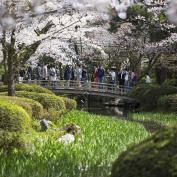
(83, 88)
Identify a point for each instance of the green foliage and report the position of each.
(162, 17)
(168, 103)
(13, 118)
(137, 9)
(32, 88)
(91, 155)
(153, 157)
(36, 125)
(33, 108)
(52, 114)
(148, 94)
(28, 88)
(45, 59)
(69, 103)
(12, 140)
(172, 82)
(47, 100)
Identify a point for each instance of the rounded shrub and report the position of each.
(148, 94)
(156, 156)
(11, 140)
(32, 88)
(34, 108)
(13, 118)
(52, 114)
(69, 103)
(47, 100)
(18, 102)
(168, 103)
(16, 140)
(27, 87)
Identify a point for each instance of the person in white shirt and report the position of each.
(45, 72)
(112, 75)
(148, 79)
(126, 83)
(53, 74)
(79, 73)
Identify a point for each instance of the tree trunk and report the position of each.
(4, 51)
(11, 88)
(10, 58)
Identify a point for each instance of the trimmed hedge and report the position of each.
(13, 118)
(47, 100)
(69, 103)
(148, 94)
(11, 140)
(52, 114)
(168, 103)
(34, 108)
(27, 87)
(156, 156)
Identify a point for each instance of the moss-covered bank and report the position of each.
(156, 156)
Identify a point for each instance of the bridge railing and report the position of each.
(81, 85)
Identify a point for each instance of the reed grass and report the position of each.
(101, 140)
(167, 119)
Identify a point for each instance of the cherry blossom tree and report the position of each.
(12, 15)
(154, 33)
(16, 18)
(78, 30)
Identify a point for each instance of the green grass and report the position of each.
(101, 140)
(167, 119)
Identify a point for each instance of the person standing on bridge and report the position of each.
(101, 75)
(133, 79)
(39, 72)
(45, 72)
(21, 75)
(126, 83)
(67, 73)
(29, 72)
(84, 75)
(79, 74)
(95, 77)
(121, 77)
(112, 76)
(53, 74)
(147, 79)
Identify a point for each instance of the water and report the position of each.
(106, 111)
(96, 105)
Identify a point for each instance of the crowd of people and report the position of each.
(112, 76)
(80, 73)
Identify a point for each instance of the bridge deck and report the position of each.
(76, 87)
